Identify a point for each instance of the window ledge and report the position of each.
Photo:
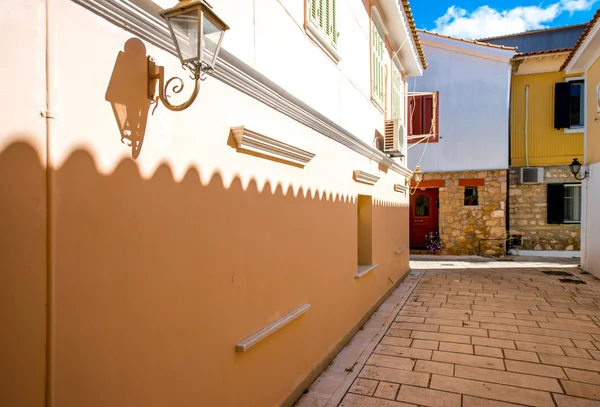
(377, 105)
(364, 270)
(472, 206)
(399, 251)
(315, 35)
(575, 130)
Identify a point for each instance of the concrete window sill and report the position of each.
(364, 270)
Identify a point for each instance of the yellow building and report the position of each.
(546, 132)
(585, 58)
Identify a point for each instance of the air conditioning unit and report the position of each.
(531, 175)
(393, 139)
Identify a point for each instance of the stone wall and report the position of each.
(528, 213)
(464, 228)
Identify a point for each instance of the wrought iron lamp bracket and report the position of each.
(156, 76)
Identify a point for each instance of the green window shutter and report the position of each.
(313, 15)
(377, 49)
(333, 23)
(323, 16)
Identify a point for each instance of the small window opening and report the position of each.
(471, 198)
(365, 230)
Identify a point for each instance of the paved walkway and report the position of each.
(474, 333)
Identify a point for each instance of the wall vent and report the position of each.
(531, 175)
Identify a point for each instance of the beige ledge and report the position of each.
(248, 140)
(365, 177)
(400, 188)
(261, 335)
(364, 270)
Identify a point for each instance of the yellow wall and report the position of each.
(592, 112)
(546, 145)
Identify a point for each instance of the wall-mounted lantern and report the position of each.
(416, 179)
(417, 175)
(197, 33)
(575, 167)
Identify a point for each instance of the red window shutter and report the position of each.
(415, 115)
(437, 117)
(427, 114)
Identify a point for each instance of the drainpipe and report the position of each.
(526, 124)
(50, 283)
(507, 205)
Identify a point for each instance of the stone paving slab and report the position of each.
(467, 332)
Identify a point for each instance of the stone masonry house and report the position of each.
(458, 135)
(547, 132)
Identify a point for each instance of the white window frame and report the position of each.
(575, 208)
(317, 35)
(578, 128)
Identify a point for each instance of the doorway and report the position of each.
(424, 208)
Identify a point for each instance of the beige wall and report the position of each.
(22, 205)
(161, 264)
(593, 114)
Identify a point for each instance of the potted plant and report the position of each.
(433, 242)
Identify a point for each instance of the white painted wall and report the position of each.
(270, 36)
(474, 102)
(591, 234)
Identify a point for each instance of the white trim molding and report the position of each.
(464, 47)
(587, 63)
(146, 24)
(259, 336)
(364, 177)
(248, 140)
(400, 188)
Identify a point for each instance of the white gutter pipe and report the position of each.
(526, 124)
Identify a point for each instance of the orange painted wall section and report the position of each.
(593, 113)
(546, 145)
(167, 245)
(22, 206)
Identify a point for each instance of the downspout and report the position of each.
(507, 206)
(50, 283)
(526, 125)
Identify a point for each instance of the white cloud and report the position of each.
(577, 5)
(486, 21)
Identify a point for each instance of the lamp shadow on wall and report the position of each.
(127, 93)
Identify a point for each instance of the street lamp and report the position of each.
(197, 33)
(575, 167)
(417, 175)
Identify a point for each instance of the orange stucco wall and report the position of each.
(593, 113)
(158, 265)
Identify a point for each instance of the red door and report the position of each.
(423, 215)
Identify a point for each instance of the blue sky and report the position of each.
(486, 18)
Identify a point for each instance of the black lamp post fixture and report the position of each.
(197, 33)
(575, 167)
